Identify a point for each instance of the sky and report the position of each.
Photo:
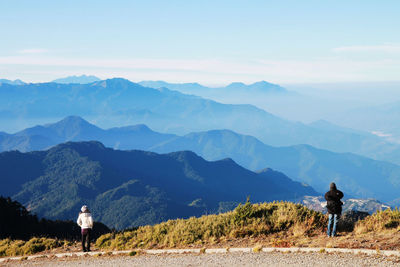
(212, 42)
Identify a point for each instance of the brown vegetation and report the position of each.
(246, 221)
(10, 247)
(277, 224)
(380, 221)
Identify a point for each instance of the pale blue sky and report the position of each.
(212, 42)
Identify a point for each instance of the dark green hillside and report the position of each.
(131, 188)
(358, 176)
(16, 222)
(17, 169)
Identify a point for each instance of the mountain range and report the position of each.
(371, 206)
(74, 128)
(371, 107)
(121, 102)
(15, 82)
(131, 188)
(83, 79)
(278, 100)
(233, 88)
(356, 175)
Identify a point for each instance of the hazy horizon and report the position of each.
(321, 85)
(311, 102)
(208, 42)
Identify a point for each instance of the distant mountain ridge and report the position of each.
(15, 82)
(83, 79)
(173, 86)
(131, 188)
(74, 128)
(117, 100)
(371, 206)
(238, 87)
(358, 176)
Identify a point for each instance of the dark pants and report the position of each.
(86, 239)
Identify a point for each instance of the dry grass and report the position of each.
(10, 247)
(248, 220)
(257, 249)
(379, 221)
(277, 224)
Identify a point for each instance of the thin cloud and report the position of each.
(381, 134)
(216, 70)
(386, 48)
(32, 51)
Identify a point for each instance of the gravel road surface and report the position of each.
(226, 259)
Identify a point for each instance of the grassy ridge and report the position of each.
(9, 247)
(292, 221)
(248, 220)
(379, 221)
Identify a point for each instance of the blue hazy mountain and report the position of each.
(268, 96)
(74, 128)
(380, 119)
(181, 87)
(356, 175)
(15, 82)
(328, 126)
(83, 79)
(119, 99)
(262, 87)
(131, 188)
(121, 102)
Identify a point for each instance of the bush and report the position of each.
(243, 212)
(379, 221)
(10, 247)
(349, 219)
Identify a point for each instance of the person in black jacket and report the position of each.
(334, 206)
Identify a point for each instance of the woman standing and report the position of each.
(85, 221)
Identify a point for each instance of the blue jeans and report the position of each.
(333, 218)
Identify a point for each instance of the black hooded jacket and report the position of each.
(333, 196)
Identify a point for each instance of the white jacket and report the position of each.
(85, 220)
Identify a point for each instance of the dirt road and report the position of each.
(226, 259)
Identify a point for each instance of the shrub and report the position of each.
(379, 221)
(104, 241)
(349, 219)
(10, 247)
(33, 246)
(243, 212)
